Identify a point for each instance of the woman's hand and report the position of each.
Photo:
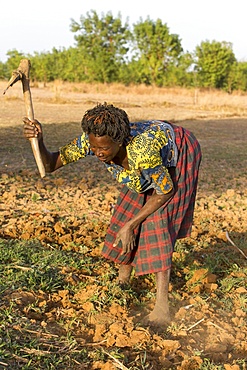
(127, 237)
(126, 233)
(32, 129)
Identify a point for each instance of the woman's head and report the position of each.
(107, 120)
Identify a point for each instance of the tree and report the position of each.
(13, 62)
(238, 77)
(180, 73)
(214, 61)
(103, 43)
(155, 50)
(3, 73)
(73, 65)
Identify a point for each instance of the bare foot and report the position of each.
(159, 317)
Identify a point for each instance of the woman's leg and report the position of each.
(160, 315)
(124, 274)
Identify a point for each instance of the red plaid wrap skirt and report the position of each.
(157, 234)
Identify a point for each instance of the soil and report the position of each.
(51, 210)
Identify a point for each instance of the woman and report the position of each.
(158, 165)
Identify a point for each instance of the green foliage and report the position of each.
(12, 63)
(107, 50)
(179, 74)
(237, 78)
(210, 365)
(29, 266)
(156, 49)
(214, 63)
(103, 44)
(2, 70)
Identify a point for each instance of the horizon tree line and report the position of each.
(109, 50)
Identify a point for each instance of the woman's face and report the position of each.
(104, 147)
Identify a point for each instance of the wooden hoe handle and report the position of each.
(22, 73)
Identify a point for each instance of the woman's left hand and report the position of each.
(127, 237)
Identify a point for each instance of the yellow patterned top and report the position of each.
(151, 149)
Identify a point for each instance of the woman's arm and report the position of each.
(153, 203)
(51, 160)
(126, 233)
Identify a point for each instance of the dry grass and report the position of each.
(141, 102)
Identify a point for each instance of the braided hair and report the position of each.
(105, 119)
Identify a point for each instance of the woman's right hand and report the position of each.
(32, 129)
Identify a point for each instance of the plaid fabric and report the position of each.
(157, 234)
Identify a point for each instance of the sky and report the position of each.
(30, 26)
